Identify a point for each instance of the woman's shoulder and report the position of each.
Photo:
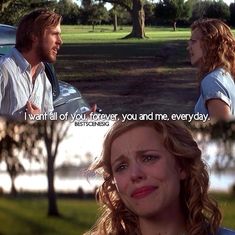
(218, 72)
(220, 75)
(225, 231)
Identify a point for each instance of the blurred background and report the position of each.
(44, 182)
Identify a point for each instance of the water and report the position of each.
(38, 182)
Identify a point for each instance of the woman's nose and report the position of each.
(137, 173)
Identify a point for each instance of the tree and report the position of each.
(8, 146)
(199, 9)
(172, 10)
(232, 13)
(98, 14)
(28, 137)
(94, 13)
(149, 9)
(4, 4)
(69, 11)
(223, 134)
(136, 10)
(120, 16)
(12, 11)
(14, 168)
(114, 15)
(51, 133)
(218, 10)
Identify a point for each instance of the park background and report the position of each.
(148, 71)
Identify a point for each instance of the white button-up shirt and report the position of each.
(17, 86)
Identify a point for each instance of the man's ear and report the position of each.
(34, 38)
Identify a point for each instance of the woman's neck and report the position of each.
(171, 224)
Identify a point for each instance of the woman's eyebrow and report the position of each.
(118, 159)
(138, 152)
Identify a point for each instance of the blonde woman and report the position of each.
(155, 183)
(212, 51)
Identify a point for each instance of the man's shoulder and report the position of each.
(225, 231)
(7, 61)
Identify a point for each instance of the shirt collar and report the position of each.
(23, 63)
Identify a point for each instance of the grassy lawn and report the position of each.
(109, 55)
(129, 76)
(28, 216)
(105, 34)
(227, 206)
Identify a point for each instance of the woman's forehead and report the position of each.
(135, 139)
(196, 33)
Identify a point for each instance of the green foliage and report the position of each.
(232, 13)
(210, 9)
(149, 9)
(69, 11)
(98, 13)
(172, 10)
(199, 9)
(123, 16)
(16, 9)
(92, 13)
(218, 10)
(222, 133)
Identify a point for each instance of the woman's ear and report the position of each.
(183, 174)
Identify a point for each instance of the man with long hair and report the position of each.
(24, 86)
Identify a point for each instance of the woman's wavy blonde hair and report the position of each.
(218, 45)
(201, 213)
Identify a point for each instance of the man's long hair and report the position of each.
(35, 23)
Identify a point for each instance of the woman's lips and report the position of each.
(142, 192)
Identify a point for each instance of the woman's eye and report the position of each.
(120, 167)
(149, 158)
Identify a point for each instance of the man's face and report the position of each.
(49, 44)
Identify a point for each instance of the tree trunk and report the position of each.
(138, 18)
(13, 188)
(52, 205)
(115, 22)
(174, 25)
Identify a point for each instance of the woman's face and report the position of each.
(194, 48)
(145, 173)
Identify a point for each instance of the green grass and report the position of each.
(227, 206)
(126, 75)
(105, 68)
(105, 52)
(105, 34)
(28, 216)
